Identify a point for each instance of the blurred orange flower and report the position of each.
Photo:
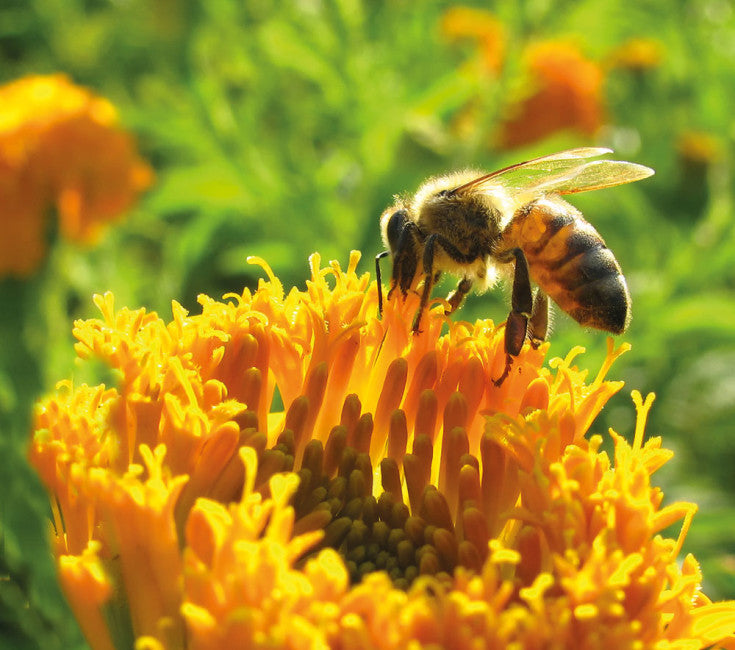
(60, 146)
(401, 499)
(482, 26)
(562, 89)
(564, 92)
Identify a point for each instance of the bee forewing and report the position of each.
(586, 177)
(567, 154)
(532, 170)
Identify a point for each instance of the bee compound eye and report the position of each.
(395, 226)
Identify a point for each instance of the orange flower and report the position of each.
(60, 146)
(482, 29)
(482, 26)
(565, 92)
(400, 499)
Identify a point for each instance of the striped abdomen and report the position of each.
(568, 259)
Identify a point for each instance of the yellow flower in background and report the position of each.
(287, 470)
(637, 54)
(564, 93)
(698, 148)
(62, 147)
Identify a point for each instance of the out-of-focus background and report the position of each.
(280, 129)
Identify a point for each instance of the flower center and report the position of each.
(370, 534)
(336, 495)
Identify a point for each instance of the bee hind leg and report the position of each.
(538, 325)
(516, 327)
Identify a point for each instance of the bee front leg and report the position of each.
(516, 327)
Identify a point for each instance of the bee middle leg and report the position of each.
(457, 296)
(429, 279)
(516, 327)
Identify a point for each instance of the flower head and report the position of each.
(480, 26)
(562, 89)
(637, 55)
(564, 92)
(60, 146)
(698, 149)
(400, 497)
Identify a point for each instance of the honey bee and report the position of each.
(513, 221)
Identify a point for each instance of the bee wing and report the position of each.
(530, 171)
(564, 172)
(586, 177)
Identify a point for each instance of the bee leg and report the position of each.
(429, 279)
(516, 326)
(539, 323)
(457, 296)
(379, 278)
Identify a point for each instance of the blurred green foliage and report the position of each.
(279, 129)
